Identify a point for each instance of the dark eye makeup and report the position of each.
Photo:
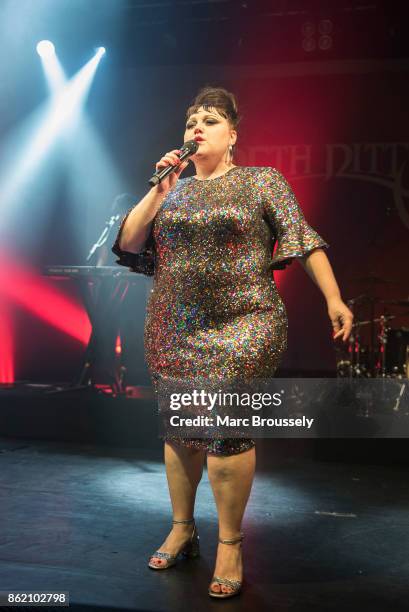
(189, 125)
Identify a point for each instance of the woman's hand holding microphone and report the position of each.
(137, 227)
(170, 159)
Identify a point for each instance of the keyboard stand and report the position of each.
(103, 289)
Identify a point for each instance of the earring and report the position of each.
(231, 150)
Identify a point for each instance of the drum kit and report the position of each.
(377, 347)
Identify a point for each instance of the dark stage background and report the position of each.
(332, 119)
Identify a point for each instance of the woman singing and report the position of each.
(214, 310)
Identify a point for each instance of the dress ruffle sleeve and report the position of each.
(294, 237)
(142, 262)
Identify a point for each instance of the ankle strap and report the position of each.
(192, 520)
(234, 540)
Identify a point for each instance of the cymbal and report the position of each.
(396, 302)
(363, 298)
(377, 320)
(375, 280)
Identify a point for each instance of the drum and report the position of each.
(397, 352)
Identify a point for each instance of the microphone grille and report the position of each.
(191, 146)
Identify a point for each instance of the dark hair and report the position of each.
(220, 99)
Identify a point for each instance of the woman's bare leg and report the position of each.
(184, 468)
(231, 478)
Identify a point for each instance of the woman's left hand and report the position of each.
(341, 318)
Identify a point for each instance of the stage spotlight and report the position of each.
(60, 114)
(53, 70)
(45, 48)
(100, 51)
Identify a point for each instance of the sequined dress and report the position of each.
(214, 309)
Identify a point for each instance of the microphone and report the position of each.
(189, 148)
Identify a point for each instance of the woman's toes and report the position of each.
(226, 589)
(215, 587)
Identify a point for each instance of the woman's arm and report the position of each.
(318, 267)
(138, 224)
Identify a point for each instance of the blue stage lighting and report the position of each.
(45, 48)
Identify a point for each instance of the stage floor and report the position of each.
(319, 536)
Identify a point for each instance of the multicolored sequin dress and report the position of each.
(214, 309)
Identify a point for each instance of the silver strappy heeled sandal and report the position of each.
(190, 550)
(235, 585)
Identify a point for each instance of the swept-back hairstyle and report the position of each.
(220, 99)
